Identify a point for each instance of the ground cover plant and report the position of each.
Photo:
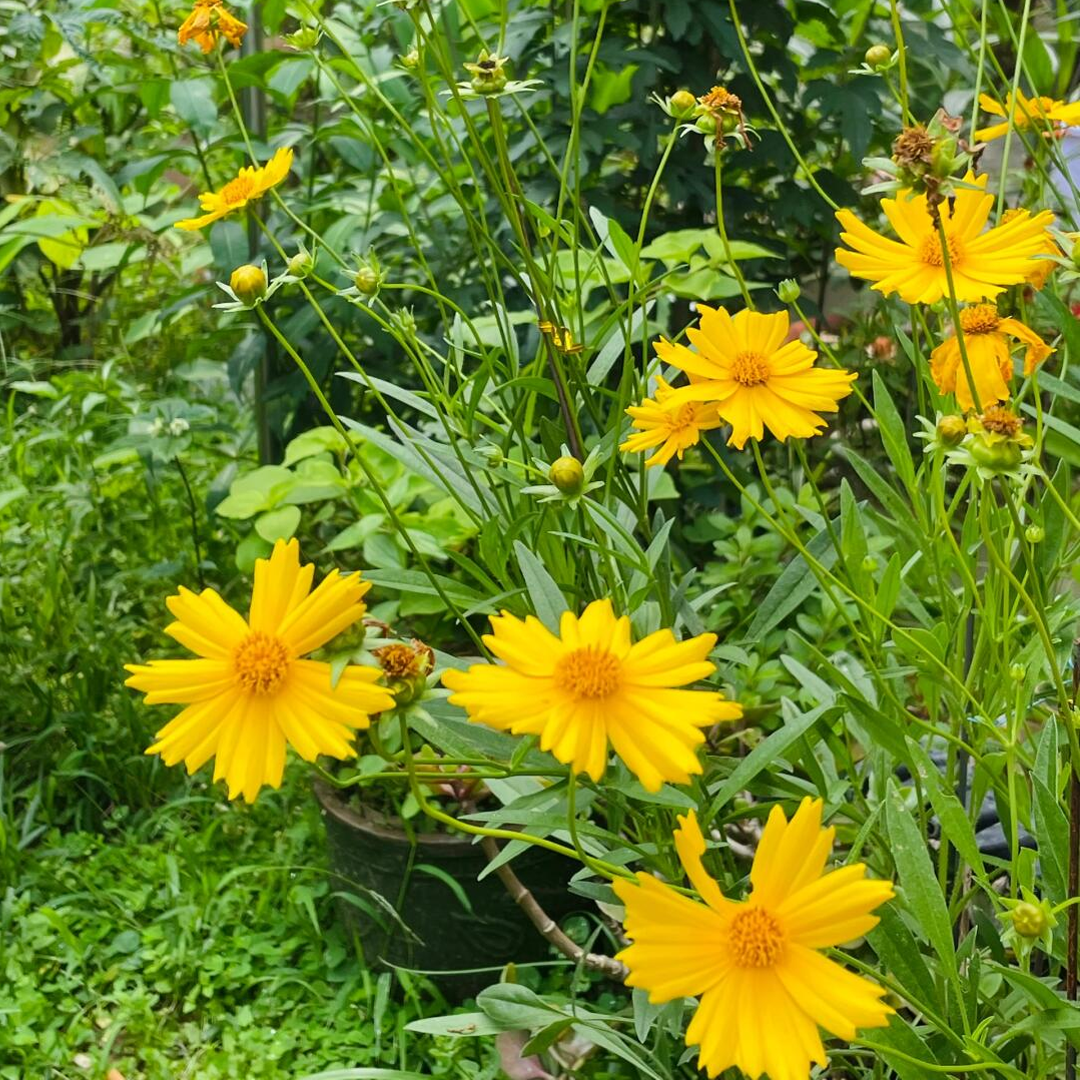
(637, 438)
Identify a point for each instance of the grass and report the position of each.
(197, 942)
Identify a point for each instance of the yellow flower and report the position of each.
(1042, 112)
(986, 340)
(250, 692)
(590, 685)
(913, 267)
(208, 20)
(1041, 269)
(248, 184)
(764, 987)
(755, 379)
(673, 430)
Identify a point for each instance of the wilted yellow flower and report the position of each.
(756, 380)
(208, 20)
(1047, 113)
(248, 184)
(250, 693)
(913, 267)
(763, 986)
(986, 341)
(590, 686)
(674, 431)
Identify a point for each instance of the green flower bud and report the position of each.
(951, 430)
(1029, 920)
(707, 124)
(1017, 672)
(411, 60)
(248, 283)
(682, 103)
(878, 57)
(869, 564)
(367, 280)
(304, 39)
(1035, 534)
(567, 475)
(301, 264)
(789, 291)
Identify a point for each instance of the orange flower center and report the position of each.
(237, 190)
(683, 417)
(998, 420)
(588, 673)
(755, 938)
(261, 663)
(932, 255)
(980, 319)
(750, 369)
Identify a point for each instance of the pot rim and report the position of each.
(376, 824)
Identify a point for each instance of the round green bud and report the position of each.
(1035, 534)
(878, 57)
(951, 430)
(1029, 920)
(366, 281)
(301, 264)
(706, 123)
(1017, 672)
(411, 60)
(869, 564)
(567, 475)
(789, 291)
(248, 283)
(682, 103)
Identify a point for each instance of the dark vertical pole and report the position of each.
(253, 110)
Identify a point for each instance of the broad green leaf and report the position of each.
(918, 883)
(547, 598)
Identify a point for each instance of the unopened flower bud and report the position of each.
(869, 564)
(301, 264)
(248, 283)
(1017, 672)
(951, 430)
(177, 426)
(1029, 920)
(1035, 534)
(567, 475)
(995, 456)
(682, 103)
(878, 56)
(367, 280)
(304, 39)
(707, 124)
(789, 291)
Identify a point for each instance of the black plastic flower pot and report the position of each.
(418, 904)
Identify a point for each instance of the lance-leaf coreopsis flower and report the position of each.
(672, 431)
(209, 20)
(986, 341)
(764, 989)
(251, 692)
(1041, 112)
(742, 364)
(983, 263)
(591, 687)
(248, 184)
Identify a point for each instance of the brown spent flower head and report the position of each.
(488, 76)
(405, 668)
(882, 348)
(401, 661)
(721, 102)
(913, 146)
(1001, 421)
